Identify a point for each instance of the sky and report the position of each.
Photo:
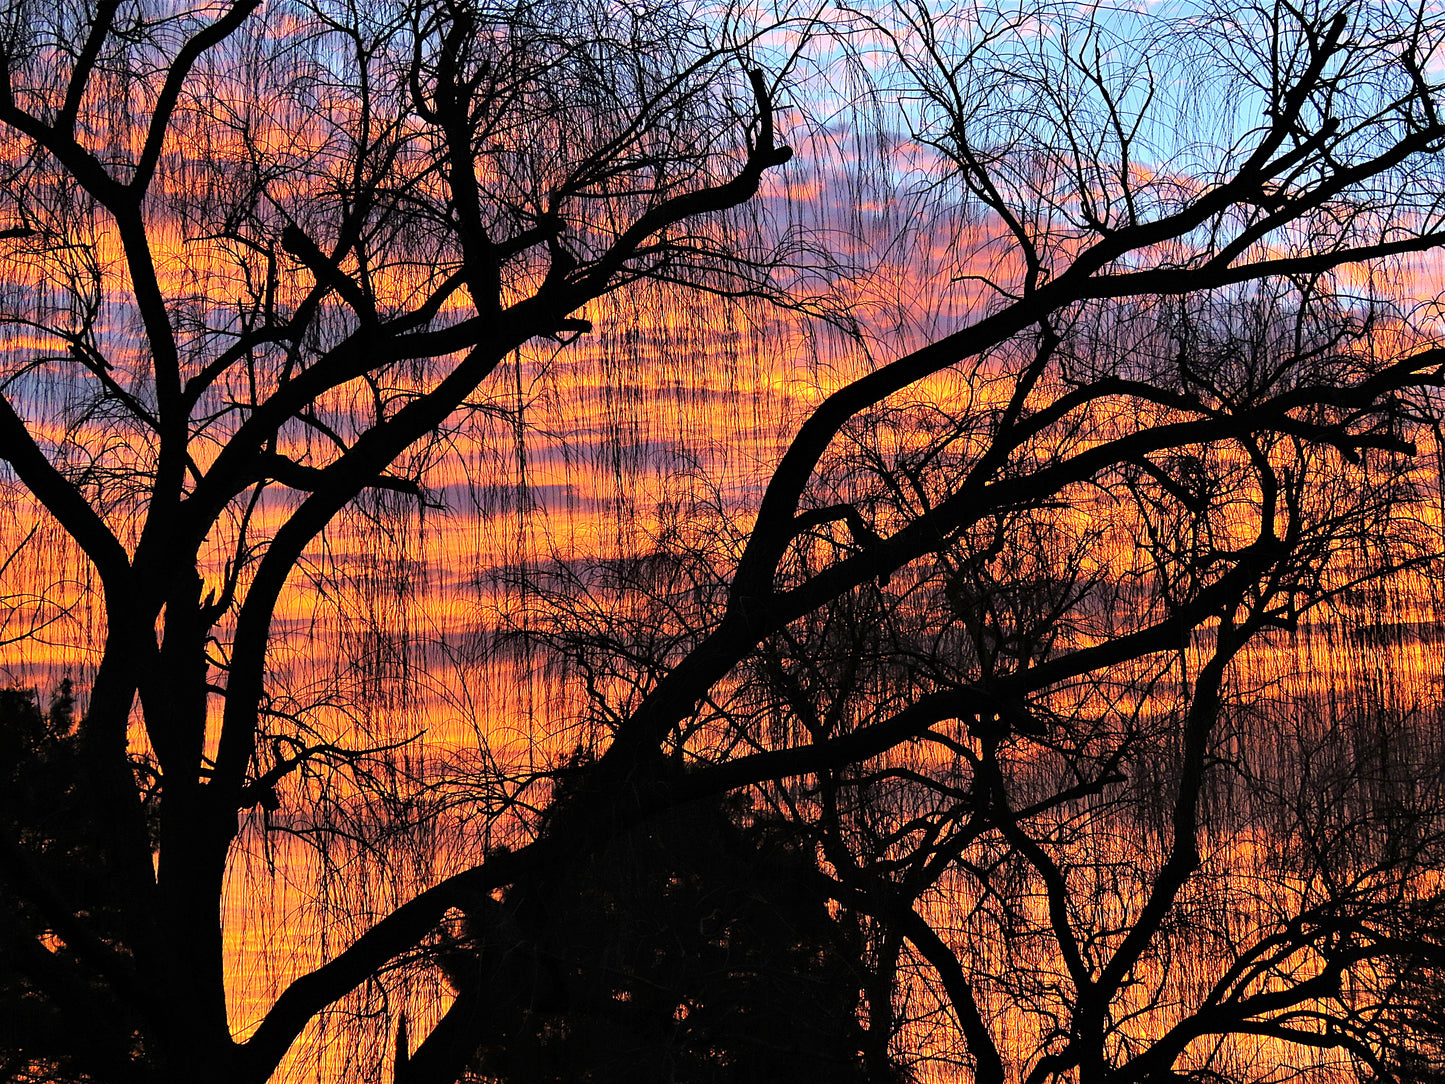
(667, 417)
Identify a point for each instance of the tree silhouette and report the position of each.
(690, 949)
(51, 828)
(540, 156)
(1269, 850)
(263, 257)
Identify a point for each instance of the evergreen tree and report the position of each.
(692, 948)
(54, 873)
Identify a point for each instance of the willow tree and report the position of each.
(257, 249)
(1005, 627)
(260, 256)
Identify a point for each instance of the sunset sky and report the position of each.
(1097, 343)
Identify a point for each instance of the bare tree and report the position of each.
(1145, 839)
(261, 257)
(1022, 617)
(258, 257)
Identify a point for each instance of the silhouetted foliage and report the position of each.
(691, 948)
(50, 844)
